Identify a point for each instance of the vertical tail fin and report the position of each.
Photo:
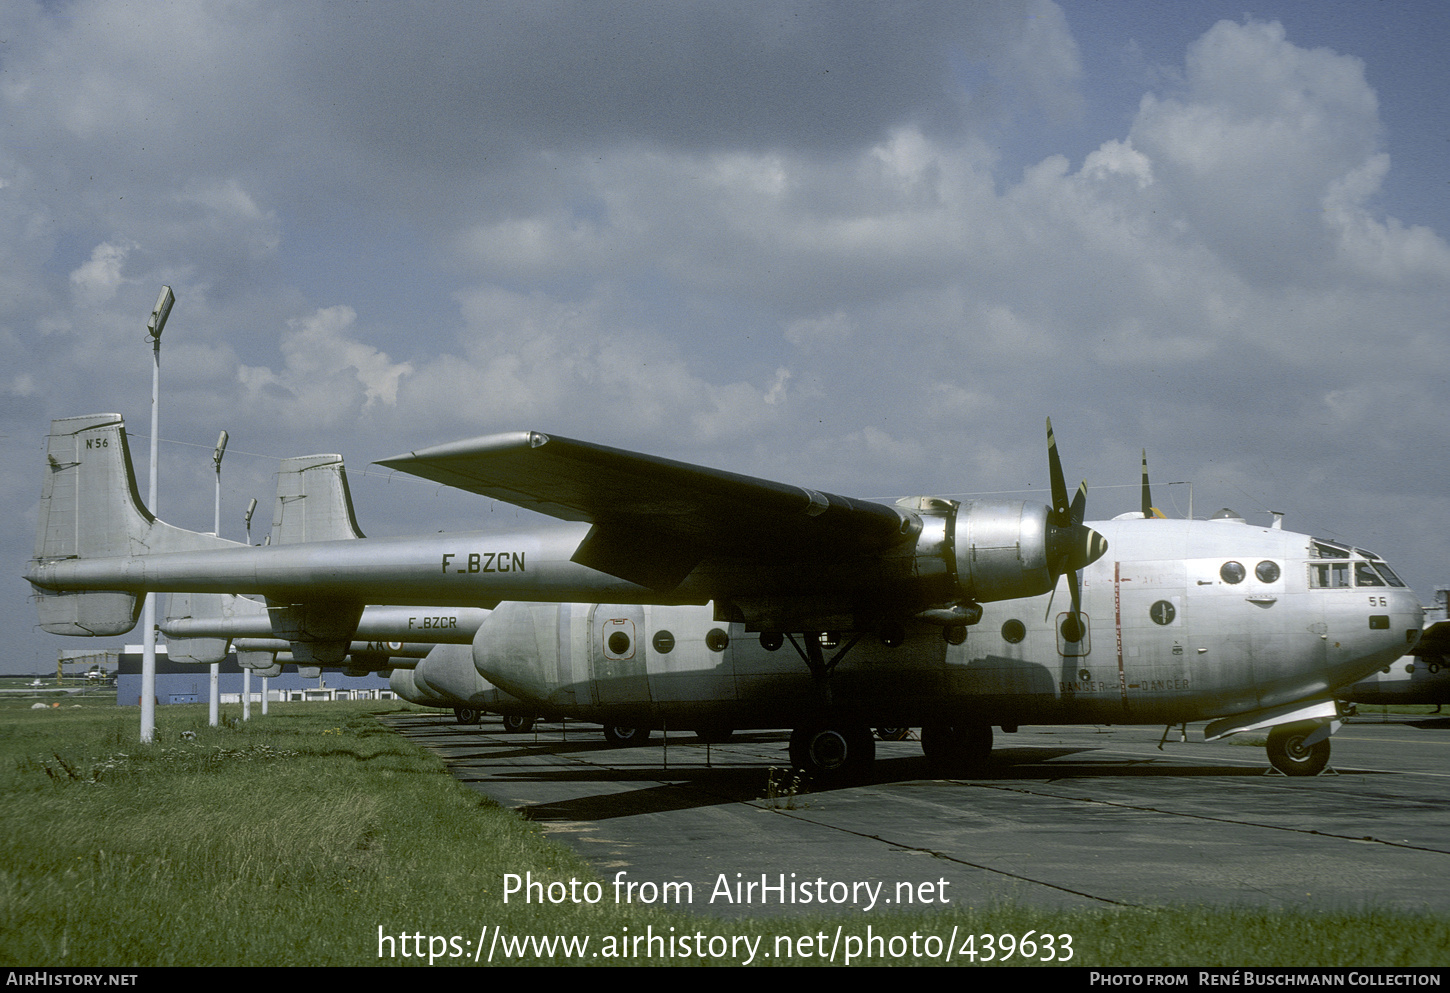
(313, 501)
(89, 508)
(313, 504)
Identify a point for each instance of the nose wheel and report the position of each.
(1299, 749)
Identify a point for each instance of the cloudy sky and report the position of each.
(862, 247)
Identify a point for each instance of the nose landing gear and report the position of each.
(1299, 749)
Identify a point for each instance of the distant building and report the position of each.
(178, 682)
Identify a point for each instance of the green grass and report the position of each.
(292, 840)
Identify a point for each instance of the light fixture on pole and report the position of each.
(247, 520)
(154, 327)
(221, 449)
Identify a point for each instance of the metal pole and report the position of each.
(154, 327)
(213, 709)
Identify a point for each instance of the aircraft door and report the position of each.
(1241, 629)
(1151, 616)
(617, 659)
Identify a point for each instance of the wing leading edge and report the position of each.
(654, 519)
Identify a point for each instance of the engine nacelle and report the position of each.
(1001, 549)
(986, 550)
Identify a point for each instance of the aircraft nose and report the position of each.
(1406, 607)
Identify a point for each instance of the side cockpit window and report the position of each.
(1364, 575)
(1348, 567)
(1329, 575)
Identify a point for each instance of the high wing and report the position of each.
(655, 519)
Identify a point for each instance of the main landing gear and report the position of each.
(625, 737)
(957, 747)
(467, 715)
(518, 723)
(832, 755)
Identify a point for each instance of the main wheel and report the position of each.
(467, 715)
(957, 746)
(625, 737)
(833, 754)
(1290, 755)
(517, 723)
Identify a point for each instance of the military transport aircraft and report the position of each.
(774, 556)
(1193, 619)
(1249, 626)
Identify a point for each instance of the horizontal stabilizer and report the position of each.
(87, 615)
(215, 609)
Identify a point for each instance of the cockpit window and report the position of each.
(1321, 549)
(1389, 575)
(1364, 575)
(1329, 575)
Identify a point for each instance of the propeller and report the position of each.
(1071, 545)
(1149, 511)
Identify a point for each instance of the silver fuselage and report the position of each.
(1168, 638)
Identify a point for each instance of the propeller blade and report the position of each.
(1147, 493)
(1071, 545)
(1060, 508)
(1149, 511)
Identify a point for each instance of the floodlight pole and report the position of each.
(251, 509)
(154, 327)
(214, 700)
